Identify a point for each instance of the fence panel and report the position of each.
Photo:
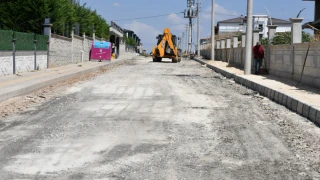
(6, 40)
(42, 42)
(25, 41)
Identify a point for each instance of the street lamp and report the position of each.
(241, 24)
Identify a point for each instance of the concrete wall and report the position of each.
(285, 61)
(60, 51)
(65, 51)
(77, 50)
(87, 44)
(6, 63)
(24, 60)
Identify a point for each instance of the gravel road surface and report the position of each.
(148, 120)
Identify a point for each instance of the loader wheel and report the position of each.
(174, 60)
(179, 59)
(157, 59)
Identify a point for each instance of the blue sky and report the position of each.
(147, 29)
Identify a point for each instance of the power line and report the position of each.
(223, 14)
(146, 17)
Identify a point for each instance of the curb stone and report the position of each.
(312, 114)
(289, 103)
(300, 108)
(305, 110)
(276, 96)
(272, 94)
(294, 105)
(317, 121)
(284, 100)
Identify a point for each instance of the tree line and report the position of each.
(285, 38)
(29, 15)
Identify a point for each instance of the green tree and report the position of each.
(131, 41)
(265, 42)
(24, 15)
(29, 15)
(285, 38)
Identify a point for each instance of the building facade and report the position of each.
(130, 34)
(260, 22)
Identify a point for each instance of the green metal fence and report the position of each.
(6, 40)
(24, 41)
(42, 42)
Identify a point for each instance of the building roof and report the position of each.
(127, 30)
(239, 20)
(279, 21)
(234, 20)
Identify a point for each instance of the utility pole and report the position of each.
(182, 42)
(198, 29)
(190, 14)
(187, 38)
(247, 65)
(212, 30)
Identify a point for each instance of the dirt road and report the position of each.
(151, 120)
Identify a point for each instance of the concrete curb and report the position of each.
(39, 85)
(303, 109)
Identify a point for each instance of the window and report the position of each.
(260, 27)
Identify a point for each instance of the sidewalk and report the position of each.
(301, 99)
(27, 82)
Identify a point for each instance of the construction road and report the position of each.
(146, 120)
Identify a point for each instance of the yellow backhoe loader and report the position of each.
(166, 47)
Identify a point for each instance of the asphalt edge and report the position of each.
(303, 109)
(40, 85)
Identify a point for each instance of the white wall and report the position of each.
(24, 61)
(6, 63)
(229, 27)
(284, 28)
(235, 27)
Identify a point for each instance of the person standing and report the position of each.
(258, 54)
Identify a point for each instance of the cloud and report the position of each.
(175, 19)
(221, 13)
(146, 33)
(116, 4)
(177, 23)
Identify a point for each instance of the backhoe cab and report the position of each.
(166, 47)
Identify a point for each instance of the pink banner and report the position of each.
(101, 50)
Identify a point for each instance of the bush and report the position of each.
(285, 38)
